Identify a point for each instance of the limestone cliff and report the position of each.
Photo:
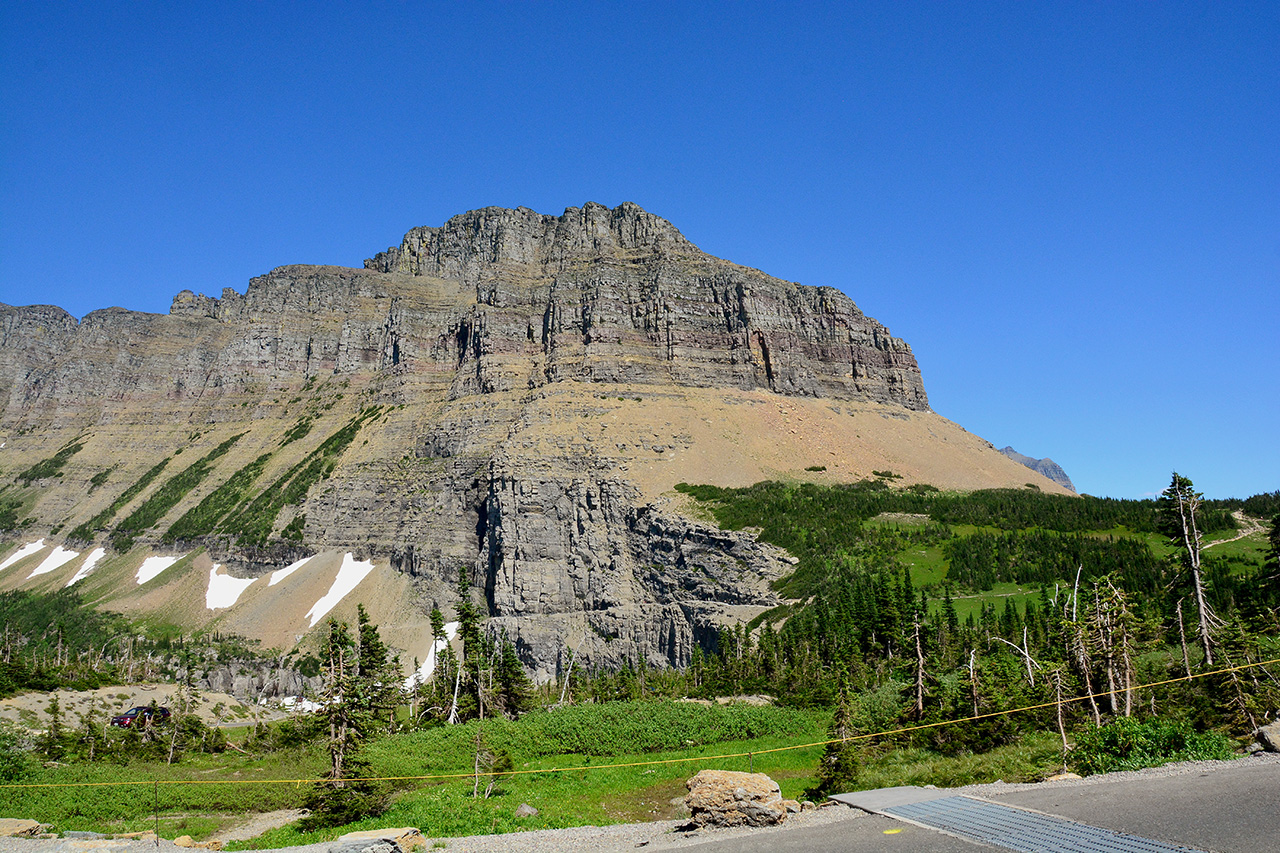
(512, 392)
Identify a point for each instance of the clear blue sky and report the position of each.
(1071, 211)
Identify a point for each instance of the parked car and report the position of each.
(140, 715)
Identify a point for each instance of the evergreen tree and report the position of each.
(353, 691)
(838, 769)
(515, 691)
(54, 744)
(1273, 555)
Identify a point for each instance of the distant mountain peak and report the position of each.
(1045, 466)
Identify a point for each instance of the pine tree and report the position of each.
(838, 769)
(53, 744)
(351, 700)
(514, 688)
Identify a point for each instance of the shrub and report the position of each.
(201, 518)
(1130, 744)
(167, 496)
(84, 532)
(15, 759)
(51, 467)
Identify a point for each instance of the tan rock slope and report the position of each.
(512, 393)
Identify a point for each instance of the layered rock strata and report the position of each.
(537, 384)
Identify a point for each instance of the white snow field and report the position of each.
(281, 574)
(429, 665)
(224, 590)
(25, 551)
(349, 576)
(88, 565)
(58, 557)
(153, 566)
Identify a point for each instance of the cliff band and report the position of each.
(511, 393)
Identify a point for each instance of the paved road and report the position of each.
(1224, 810)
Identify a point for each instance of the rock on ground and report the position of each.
(730, 798)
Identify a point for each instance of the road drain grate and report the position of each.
(1018, 829)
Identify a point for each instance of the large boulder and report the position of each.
(1269, 737)
(730, 798)
(14, 827)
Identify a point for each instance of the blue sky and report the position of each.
(1071, 211)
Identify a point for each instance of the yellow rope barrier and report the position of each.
(656, 762)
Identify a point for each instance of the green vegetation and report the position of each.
(201, 519)
(294, 529)
(914, 608)
(100, 478)
(951, 594)
(167, 496)
(45, 640)
(1126, 743)
(51, 467)
(252, 523)
(127, 806)
(85, 532)
(11, 506)
(299, 430)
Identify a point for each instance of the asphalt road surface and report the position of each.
(1219, 808)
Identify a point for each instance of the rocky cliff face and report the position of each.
(511, 392)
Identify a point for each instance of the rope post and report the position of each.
(751, 762)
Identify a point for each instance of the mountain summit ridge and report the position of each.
(512, 392)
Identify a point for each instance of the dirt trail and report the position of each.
(1249, 527)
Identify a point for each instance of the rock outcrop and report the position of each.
(510, 393)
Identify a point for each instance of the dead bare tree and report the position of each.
(1180, 504)
(919, 668)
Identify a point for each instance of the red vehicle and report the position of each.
(140, 715)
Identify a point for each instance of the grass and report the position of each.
(1251, 549)
(51, 467)
(971, 605)
(1036, 756)
(928, 565)
(665, 742)
(201, 518)
(595, 793)
(253, 522)
(123, 798)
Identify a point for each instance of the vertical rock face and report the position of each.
(499, 351)
(621, 296)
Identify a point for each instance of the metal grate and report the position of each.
(1021, 830)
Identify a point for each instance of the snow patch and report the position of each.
(25, 551)
(281, 574)
(429, 665)
(224, 590)
(59, 557)
(153, 566)
(349, 576)
(297, 703)
(88, 565)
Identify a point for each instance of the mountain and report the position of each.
(511, 394)
(1045, 467)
